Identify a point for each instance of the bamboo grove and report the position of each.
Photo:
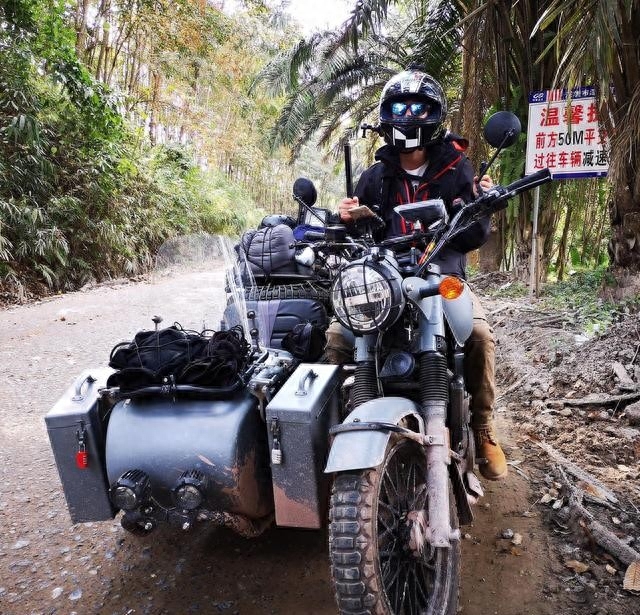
(124, 123)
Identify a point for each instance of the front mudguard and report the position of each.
(357, 450)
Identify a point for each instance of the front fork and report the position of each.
(434, 396)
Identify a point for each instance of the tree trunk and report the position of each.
(564, 244)
(624, 247)
(491, 252)
(153, 108)
(81, 27)
(546, 228)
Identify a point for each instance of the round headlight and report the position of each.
(367, 295)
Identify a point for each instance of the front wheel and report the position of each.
(375, 517)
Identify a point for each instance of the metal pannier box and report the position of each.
(298, 422)
(77, 435)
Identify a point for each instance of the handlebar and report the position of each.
(528, 182)
(496, 199)
(314, 235)
(490, 202)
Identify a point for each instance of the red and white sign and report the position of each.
(565, 136)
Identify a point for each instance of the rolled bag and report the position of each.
(267, 251)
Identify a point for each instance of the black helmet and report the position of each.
(407, 132)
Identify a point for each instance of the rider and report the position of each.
(422, 160)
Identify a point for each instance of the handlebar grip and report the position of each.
(530, 181)
(313, 236)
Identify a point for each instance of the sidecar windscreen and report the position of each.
(274, 318)
(427, 213)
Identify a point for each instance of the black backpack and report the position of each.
(305, 341)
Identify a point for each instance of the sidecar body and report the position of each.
(225, 455)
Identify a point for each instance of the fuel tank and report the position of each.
(224, 439)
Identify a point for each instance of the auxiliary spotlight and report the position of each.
(130, 490)
(189, 491)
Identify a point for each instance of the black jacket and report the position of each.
(449, 175)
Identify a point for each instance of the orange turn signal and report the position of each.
(451, 287)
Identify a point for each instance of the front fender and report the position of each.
(356, 450)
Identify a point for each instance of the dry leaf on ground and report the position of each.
(632, 577)
(577, 566)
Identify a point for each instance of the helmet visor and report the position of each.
(416, 109)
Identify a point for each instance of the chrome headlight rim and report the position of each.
(386, 288)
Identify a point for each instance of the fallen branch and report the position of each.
(550, 321)
(597, 532)
(594, 400)
(501, 308)
(597, 491)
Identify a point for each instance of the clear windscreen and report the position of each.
(187, 285)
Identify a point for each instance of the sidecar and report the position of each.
(242, 456)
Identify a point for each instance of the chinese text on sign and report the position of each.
(564, 134)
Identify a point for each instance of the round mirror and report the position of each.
(502, 129)
(304, 190)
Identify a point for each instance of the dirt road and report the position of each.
(48, 565)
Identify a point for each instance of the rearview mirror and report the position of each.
(502, 129)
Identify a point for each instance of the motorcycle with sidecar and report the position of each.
(266, 433)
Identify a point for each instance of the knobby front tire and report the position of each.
(373, 568)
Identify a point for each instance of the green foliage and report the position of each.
(579, 294)
(79, 197)
(332, 81)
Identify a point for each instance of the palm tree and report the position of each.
(598, 39)
(333, 80)
(482, 53)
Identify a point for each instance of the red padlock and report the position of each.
(82, 459)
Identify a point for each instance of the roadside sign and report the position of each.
(564, 134)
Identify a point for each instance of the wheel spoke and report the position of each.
(388, 508)
(427, 573)
(387, 569)
(420, 498)
(388, 527)
(405, 588)
(393, 495)
(391, 551)
(420, 587)
(388, 536)
(394, 575)
(402, 497)
(411, 484)
(396, 592)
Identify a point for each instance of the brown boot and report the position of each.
(491, 459)
(339, 347)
